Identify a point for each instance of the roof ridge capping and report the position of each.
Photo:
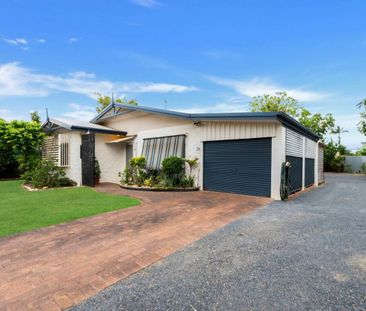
(282, 117)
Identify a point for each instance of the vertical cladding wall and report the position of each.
(321, 164)
(295, 154)
(301, 152)
(310, 147)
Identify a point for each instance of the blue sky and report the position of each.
(187, 55)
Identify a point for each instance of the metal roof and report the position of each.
(81, 125)
(282, 117)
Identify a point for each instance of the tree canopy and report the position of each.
(281, 102)
(105, 100)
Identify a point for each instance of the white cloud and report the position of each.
(258, 86)
(9, 116)
(16, 80)
(146, 3)
(41, 40)
(73, 40)
(80, 112)
(233, 104)
(17, 41)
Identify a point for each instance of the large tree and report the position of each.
(281, 102)
(362, 124)
(20, 146)
(105, 100)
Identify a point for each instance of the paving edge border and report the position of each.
(159, 189)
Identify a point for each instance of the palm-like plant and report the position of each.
(338, 131)
(361, 126)
(191, 163)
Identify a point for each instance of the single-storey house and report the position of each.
(237, 152)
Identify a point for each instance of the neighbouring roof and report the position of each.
(118, 109)
(54, 124)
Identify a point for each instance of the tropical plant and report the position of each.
(338, 131)
(173, 170)
(47, 174)
(191, 163)
(104, 101)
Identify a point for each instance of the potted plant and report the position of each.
(97, 171)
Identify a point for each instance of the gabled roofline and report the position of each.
(282, 117)
(83, 128)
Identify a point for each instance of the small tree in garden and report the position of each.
(191, 163)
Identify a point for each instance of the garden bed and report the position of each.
(172, 189)
(29, 187)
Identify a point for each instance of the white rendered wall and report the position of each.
(74, 170)
(111, 158)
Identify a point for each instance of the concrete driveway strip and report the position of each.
(306, 254)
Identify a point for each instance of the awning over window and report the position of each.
(121, 140)
(155, 150)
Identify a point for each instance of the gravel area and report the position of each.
(305, 254)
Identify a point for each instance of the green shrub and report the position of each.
(363, 168)
(97, 171)
(47, 174)
(173, 169)
(138, 162)
(127, 176)
(187, 181)
(348, 168)
(136, 173)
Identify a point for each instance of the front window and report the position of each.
(156, 149)
(64, 150)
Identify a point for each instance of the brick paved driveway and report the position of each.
(56, 267)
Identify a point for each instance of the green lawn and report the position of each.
(22, 210)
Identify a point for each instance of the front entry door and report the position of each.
(87, 160)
